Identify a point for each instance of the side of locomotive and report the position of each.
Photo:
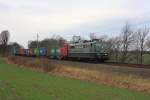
(88, 50)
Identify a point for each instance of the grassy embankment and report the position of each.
(23, 84)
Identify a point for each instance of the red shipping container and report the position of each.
(31, 52)
(22, 51)
(48, 52)
(64, 50)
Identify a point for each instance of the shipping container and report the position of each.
(31, 52)
(58, 53)
(43, 51)
(22, 51)
(36, 52)
(55, 52)
(64, 51)
(16, 51)
(27, 52)
(48, 52)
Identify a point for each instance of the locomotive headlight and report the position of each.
(105, 54)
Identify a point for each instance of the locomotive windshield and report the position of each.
(99, 47)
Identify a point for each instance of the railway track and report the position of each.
(128, 65)
(117, 64)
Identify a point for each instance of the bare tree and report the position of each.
(127, 39)
(113, 47)
(148, 45)
(0, 40)
(142, 34)
(4, 37)
(117, 45)
(136, 46)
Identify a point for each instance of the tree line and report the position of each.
(47, 43)
(130, 46)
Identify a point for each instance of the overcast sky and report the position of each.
(25, 18)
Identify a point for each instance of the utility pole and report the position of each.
(37, 40)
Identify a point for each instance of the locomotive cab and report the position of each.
(101, 52)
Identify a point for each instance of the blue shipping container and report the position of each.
(27, 52)
(43, 51)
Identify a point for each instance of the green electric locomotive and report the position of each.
(88, 50)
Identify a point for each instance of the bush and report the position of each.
(37, 63)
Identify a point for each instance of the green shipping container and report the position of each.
(37, 51)
(16, 51)
(55, 52)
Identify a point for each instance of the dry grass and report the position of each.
(112, 79)
(39, 64)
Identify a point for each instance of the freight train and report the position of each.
(93, 50)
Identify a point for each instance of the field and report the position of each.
(24, 84)
(132, 58)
